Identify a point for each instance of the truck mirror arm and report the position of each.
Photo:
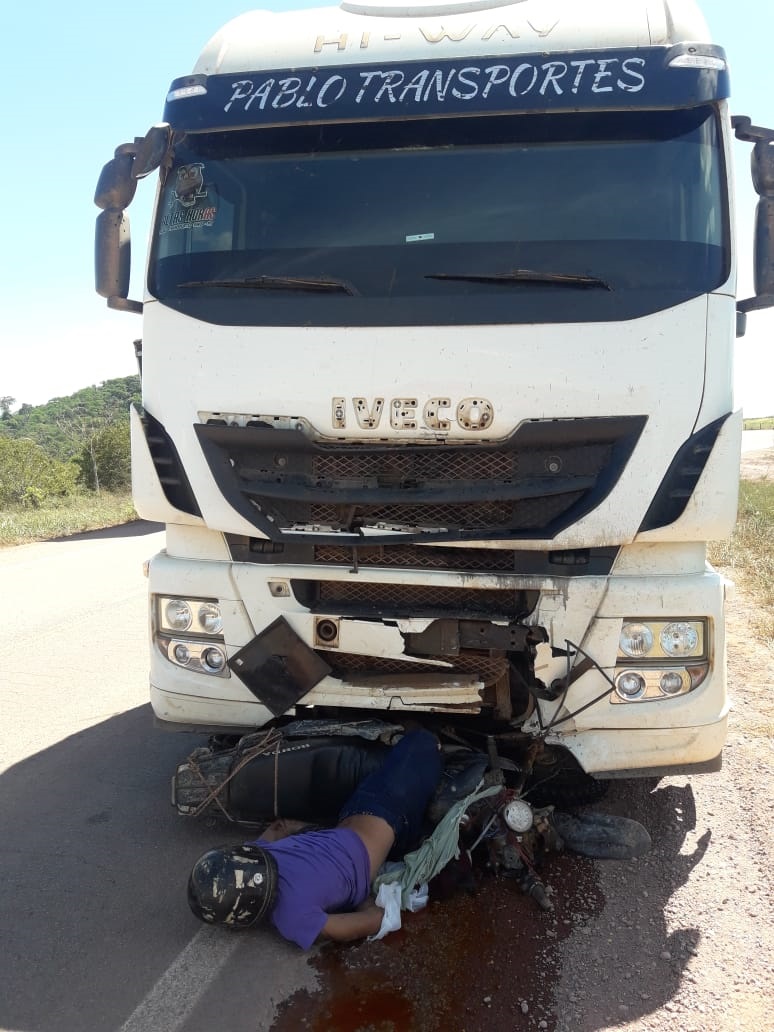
(749, 133)
(115, 192)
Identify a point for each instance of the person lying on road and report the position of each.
(317, 883)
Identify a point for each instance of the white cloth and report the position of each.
(404, 885)
(389, 899)
(419, 867)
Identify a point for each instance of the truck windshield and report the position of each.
(531, 218)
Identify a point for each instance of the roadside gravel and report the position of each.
(685, 938)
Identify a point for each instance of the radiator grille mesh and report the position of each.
(348, 667)
(401, 465)
(480, 560)
(412, 598)
(526, 515)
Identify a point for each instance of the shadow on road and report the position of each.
(634, 965)
(94, 864)
(137, 528)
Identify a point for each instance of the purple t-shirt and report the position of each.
(320, 872)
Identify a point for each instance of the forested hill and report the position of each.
(61, 425)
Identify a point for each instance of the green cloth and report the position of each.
(435, 852)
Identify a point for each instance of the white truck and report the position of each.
(436, 364)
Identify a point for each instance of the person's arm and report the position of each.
(356, 925)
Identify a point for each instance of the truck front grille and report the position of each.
(533, 484)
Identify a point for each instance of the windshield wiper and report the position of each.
(278, 283)
(523, 276)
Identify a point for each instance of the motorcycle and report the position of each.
(519, 804)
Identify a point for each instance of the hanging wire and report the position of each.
(556, 719)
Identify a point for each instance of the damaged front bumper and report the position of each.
(506, 648)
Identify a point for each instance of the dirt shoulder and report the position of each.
(758, 465)
(685, 938)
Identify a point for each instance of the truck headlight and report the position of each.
(210, 618)
(671, 657)
(679, 639)
(663, 639)
(636, 640)
(195, 615)
(188, 633)
(197, 656)
(182, 653)
(671, 682)
(213, 660)
(177, 614)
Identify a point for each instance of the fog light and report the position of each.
(630, 685)
(636, 639)
(671, 682)
(178, 614)
(213, 660)
(182, 654)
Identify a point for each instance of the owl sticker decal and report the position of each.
(188, 206)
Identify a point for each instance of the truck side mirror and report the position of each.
(116, 185)
(762, 163)
(112, 241)
(764, 252)
(112, 260)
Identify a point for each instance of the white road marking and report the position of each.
(171, 1000)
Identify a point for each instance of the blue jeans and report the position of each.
(401, 788)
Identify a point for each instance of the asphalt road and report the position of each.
(96, 936)
(95, 932)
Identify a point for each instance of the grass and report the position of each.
(749, 552)
(767, 423)
(64, 517)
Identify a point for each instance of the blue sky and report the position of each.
(81, 79)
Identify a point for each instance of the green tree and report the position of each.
(105, 459)
(29, 477)
(57, 425)
(6, 404)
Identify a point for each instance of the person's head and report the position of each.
(233, 885)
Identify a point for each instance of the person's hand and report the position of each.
(281, 828)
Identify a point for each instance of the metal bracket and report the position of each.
(749, 133)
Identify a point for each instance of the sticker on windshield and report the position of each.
(188, 203)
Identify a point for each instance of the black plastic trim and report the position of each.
(169, 467)
(586, 562)
(680, 479)
(275, 494)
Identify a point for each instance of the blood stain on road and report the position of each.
(480, 962)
